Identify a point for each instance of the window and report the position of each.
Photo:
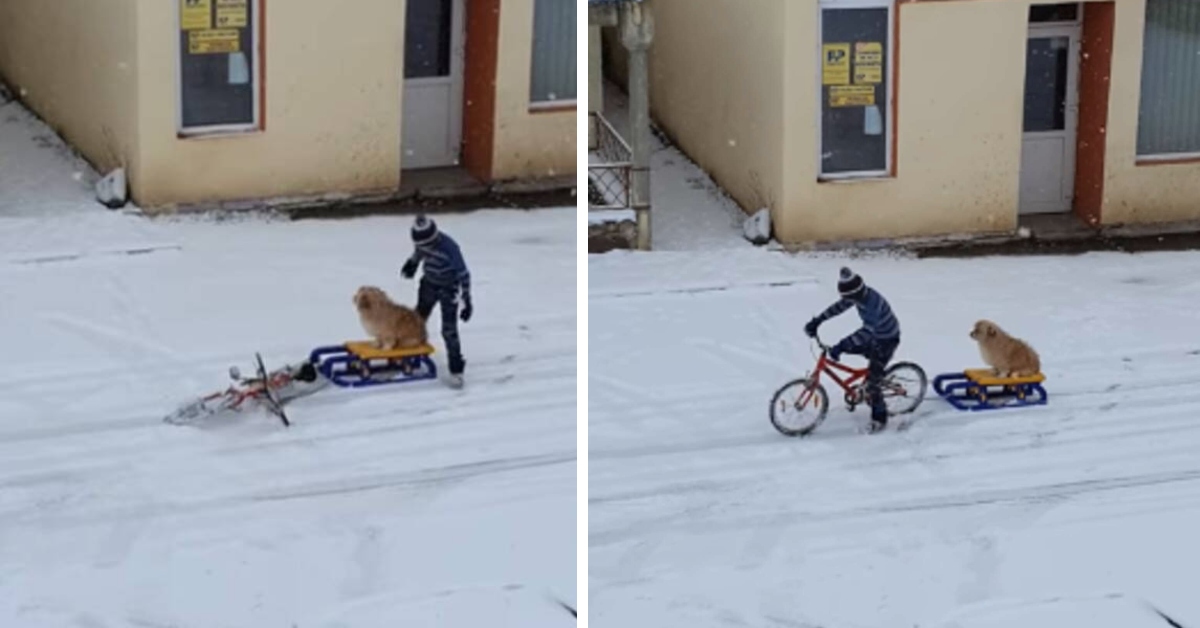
(1046, 13)
(218, 75)
(427, 40)
(552, 77)
(855, 88)
(1169, 114)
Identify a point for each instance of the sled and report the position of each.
(358, 364)
(982, 389)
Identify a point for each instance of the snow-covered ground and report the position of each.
(39, 175)
(701, 514)
(411, 505)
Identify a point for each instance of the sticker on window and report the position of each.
(836, 64)
(851, 95)
(231, 14)
(196, 15)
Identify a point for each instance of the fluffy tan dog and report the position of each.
(393, 326)
(1008, 356)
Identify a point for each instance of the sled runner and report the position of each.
(358, 364)
(981, 389)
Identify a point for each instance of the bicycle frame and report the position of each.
(848, 382)
(852, 378)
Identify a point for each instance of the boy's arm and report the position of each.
(464, 282)
(410, 266)
(461, 272)
(837, 308)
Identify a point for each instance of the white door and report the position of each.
(1051, 112)
(433, 83)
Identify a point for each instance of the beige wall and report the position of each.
(333, 98)
(332, 108)
(716, 87)
(75, 62)
(739, 98)
(959, 129)
(528, 144)
(1148, 192)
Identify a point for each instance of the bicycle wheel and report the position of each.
(798, 407)
(903, 387)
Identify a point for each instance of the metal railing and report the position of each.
(609, 167)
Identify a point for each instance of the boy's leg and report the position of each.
(880, 354)
(448, 302)
(426, 299)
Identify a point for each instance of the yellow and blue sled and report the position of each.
(981, 389)
(359, 364)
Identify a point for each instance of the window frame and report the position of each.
(257, 82)
(889, 77)
(543, 106)
(1150, 159)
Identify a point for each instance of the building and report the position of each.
(866, 119)
(217, 100)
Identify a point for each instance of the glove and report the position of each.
(835, 353)
(409, 269)
(467, 310)
(811, 328)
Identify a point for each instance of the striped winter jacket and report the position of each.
(444, 263)
(879, 323)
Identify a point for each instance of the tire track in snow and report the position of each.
(263, 497)
(1016, 495)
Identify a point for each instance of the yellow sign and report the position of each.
(196, 15)
(868, 62)
(851, 96)
(835, 64)
(214, 42)
(231, 14)
(867, 53)
(868, 74)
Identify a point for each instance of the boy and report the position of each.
(445, 276)
(877, 340)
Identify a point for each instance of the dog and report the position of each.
(392, 326)
(1008, 356)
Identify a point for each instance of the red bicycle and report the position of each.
(800, 405)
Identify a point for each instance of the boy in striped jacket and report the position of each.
(445, 278)
(877, 340)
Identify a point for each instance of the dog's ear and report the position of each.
(991, 331)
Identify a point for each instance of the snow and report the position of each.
(688, 210)
(410, 505)
(39, 174)
(757, 228)
(700, 514)
(1098, 611)
(602, 216)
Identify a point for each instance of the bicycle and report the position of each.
(902, 381)
(271, 390)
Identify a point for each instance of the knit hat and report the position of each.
(849, 284)
(424, 230)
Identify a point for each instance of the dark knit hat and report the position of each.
(424, 230)
(850, 284)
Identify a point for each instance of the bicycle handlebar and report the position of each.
(817, 338)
